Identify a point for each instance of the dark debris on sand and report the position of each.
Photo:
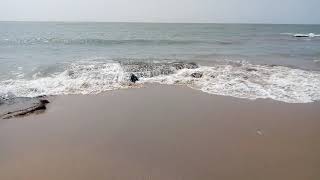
(17, 107)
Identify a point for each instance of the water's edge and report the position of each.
(236, 79)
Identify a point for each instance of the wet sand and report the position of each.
(165, 133)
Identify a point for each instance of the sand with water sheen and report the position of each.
(162, 132)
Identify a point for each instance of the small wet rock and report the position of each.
(134, 78)
(71, 73)
(197, 75)
(192, 65)
(272, 65)
(85, 85)
(181, 65)
(178, 66)
(251, 69)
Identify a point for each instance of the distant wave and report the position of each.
(309, 35)
(237, 79)
(93, 41)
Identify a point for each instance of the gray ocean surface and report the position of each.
(34, 55)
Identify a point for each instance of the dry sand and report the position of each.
(165, 133)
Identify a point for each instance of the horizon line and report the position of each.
(154, 22)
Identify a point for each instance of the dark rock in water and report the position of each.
(273, 65)
(134, 78)
(147, 69)
(192, 65)
(178, 66)
(71, 73)
(181, 65)
(251, 70)
(152, 69)
(22, 106)
(197, 75)
(301, 35)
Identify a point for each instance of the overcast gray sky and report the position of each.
(219, 11)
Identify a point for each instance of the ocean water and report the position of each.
(281, 62)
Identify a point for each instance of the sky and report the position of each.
(197, 11)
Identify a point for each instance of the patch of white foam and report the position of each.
(309, 35)
(79, 78)
(250, 81)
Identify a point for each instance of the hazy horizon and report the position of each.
(165, 11)
(156, 22)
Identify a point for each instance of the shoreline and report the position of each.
(162, 132)
(25, 106)
(237, 79)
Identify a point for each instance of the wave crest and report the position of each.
(250, 81)
(309, 35)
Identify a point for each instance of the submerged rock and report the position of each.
(151, 69)
(146, 69)
(245, 77)
(197, 75)
(251, 70)
(192, 65)
(304, 35)
(182, 65)
(134, 78)
(22, 106)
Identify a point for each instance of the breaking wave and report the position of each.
(309, 35)
(236, 79)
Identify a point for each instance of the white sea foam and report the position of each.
(305, 35)
(79, 78)
(250, 81)
(310, 35)
(242, 80)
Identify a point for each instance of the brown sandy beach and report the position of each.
(165, 133)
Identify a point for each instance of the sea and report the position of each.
(252, 61)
